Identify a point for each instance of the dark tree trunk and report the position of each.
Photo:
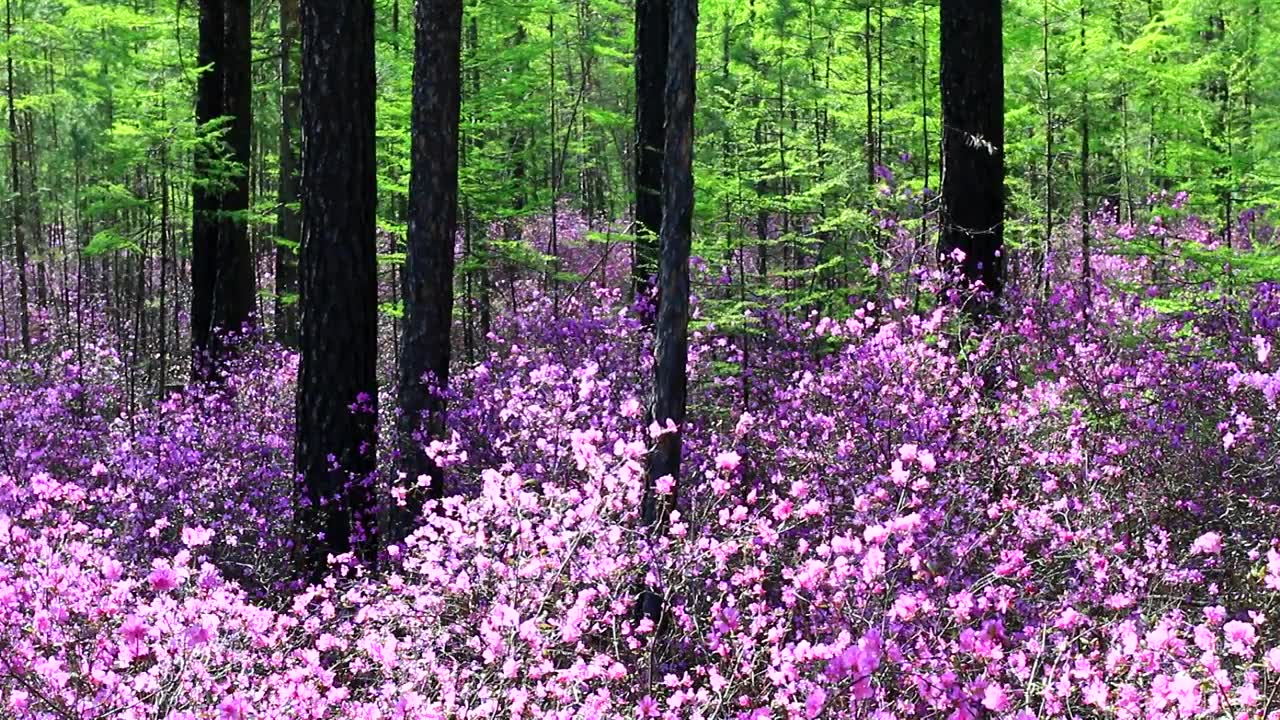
(165, 231)
(870, 98)
(235, 296)
(222, 297)
(486, 303)
(762, 216)
(651, 77)
(973, 140)
(288, 220)
(1218, 91)
(1043, 273)
(205, 200)
(17, 205)
(1086, 199)
(433, 220)
(670, 383)
(338, 280)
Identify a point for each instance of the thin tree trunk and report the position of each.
(428, 269)
(672, 327)
(288, 220)
(553, 180)
(871, 127)
(164, 265)
(17, 206)
(1048, 154)
(1086, 230)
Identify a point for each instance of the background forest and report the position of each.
(381, 359)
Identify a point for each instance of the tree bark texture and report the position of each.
(338, 280)
(972, 77)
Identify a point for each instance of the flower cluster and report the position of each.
(889, 514)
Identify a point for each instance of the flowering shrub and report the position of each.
(887, 515)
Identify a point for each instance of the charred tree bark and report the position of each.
(1086, 199)
(651, 77)
(235, 298)
(433, 220)
(17, 205)
(288, 220)
(670, 383)
(335, 444)
(222, 296)
(973, 143)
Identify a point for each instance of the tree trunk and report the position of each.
(1086, 210)
(670, 384)
(651, 76)
(17, 205)
(870, 98)
(973, 142)
(1046, 249)
(235, 296)
(222, 273)
(205, 200)
(288, 220)
(338, 281)
(433, 220)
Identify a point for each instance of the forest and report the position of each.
(627, 359)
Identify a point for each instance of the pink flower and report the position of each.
(233, 708)
(898, 474)
(1263, 348)
(873, 564)
(1248, 695)
(647, 707)
(134, 632)
(1186, 692)
(1240, 637)
(995, 698)
(1272, 660)
(163, 578)
(927, 462)
(814, 703)
(196, 536)
(112, 569)
(728, 461)
(1095, 693)
(1209, 543)
(657, 430)
(664, 485)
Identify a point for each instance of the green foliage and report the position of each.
(107, 241)
(798, 100)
